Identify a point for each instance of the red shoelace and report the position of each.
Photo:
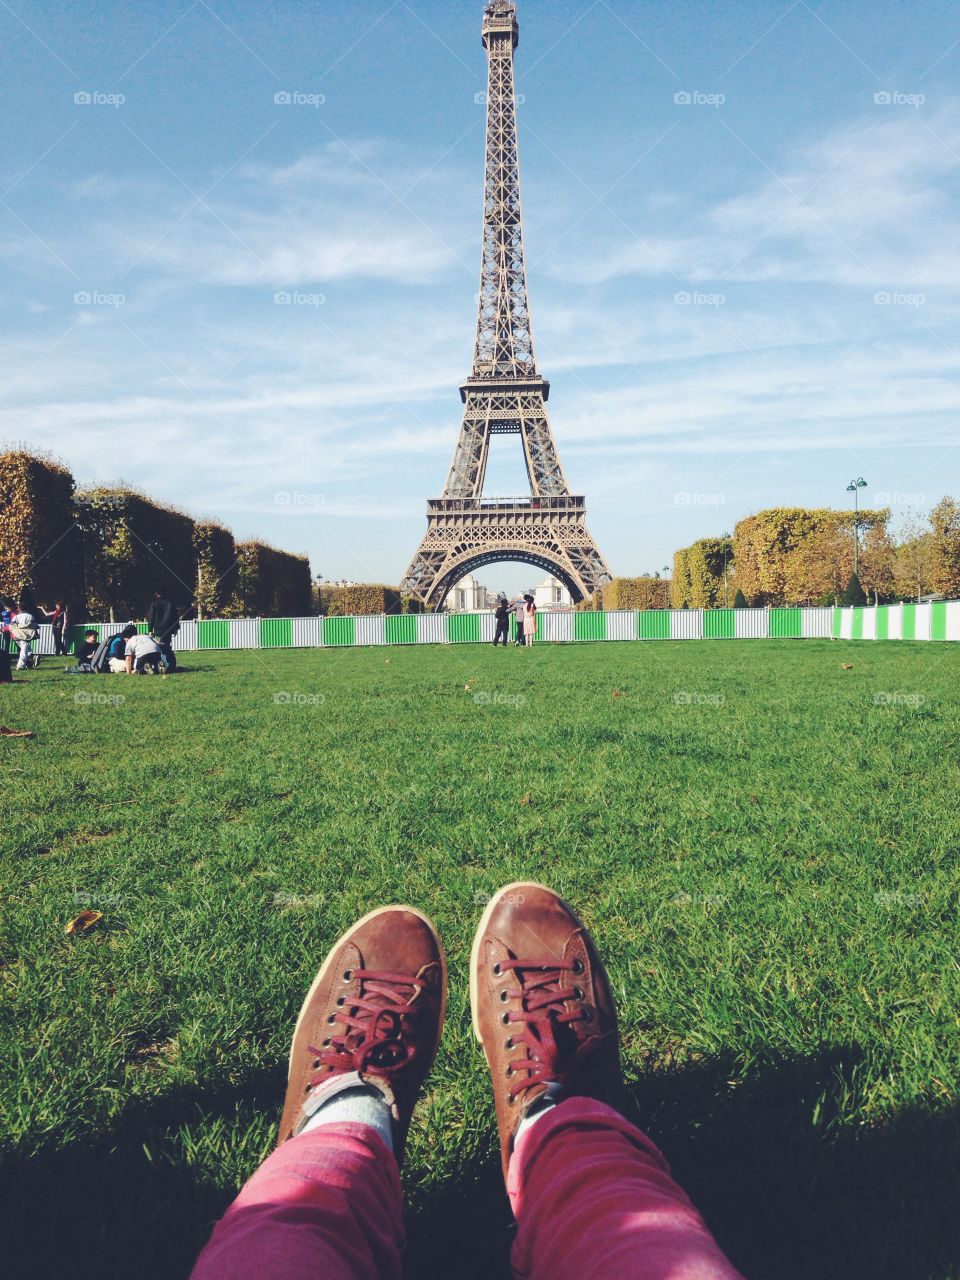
(378, 1026)
(555, 1050)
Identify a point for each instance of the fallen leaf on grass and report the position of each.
(84, 921)
(617, 693)
(525, 799)
(847, 666)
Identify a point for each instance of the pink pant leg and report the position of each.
(594, 1199)
(325, 1206)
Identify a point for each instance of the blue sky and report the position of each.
(743, 250)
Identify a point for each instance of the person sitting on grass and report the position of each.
(592, 1195)
(116, 654)
(141, 653)
(84, 652)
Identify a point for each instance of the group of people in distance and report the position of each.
(131, 652)
(524, 610)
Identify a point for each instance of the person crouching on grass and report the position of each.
(141, 654)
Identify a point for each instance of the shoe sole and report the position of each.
(325, 968)
(481, 929)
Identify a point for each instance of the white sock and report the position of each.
(364, 1104)
(553, 1094)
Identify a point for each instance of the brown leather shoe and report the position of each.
(542, 1006)
(375, 1011)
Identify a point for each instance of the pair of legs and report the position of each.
(147, 662)
(26, 658)
(592, 1195)
(502, 633)
(167, 655)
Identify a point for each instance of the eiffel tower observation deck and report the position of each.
(504, 393)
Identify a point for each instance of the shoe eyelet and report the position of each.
(341, 1001)
(324, 1045)
(509, 1071)
(504, 996)
(505, 1018)
(508, 1043)
(316, 1064)
(578, 966)
(331, 1020)
(347, 975)
(586, 1013)
(577, 993)
(496, 970)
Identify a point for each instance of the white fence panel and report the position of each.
(187, 638)
(751, 624)
(895, 622)
(686, 624)
(622, 624)
(44, 640)
(307, 633)
(953, 620)
(371, 630)
(244, 633)
(488, 627)
(556, 626)
(816, 624)
(924, 612)
(869, 624)
(846, 624)
(431, 628)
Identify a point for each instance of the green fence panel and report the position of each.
(654, 624)
(213, 634)
(786, 624)
(837, 623)
(339, 631)
(938, 620)
(883, 622)
(909, 622)
(719, 624)
(589, 625)
(401, 628)
(856, 625)
(276, 633)
(463, 628)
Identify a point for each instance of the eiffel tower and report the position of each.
(504, 394)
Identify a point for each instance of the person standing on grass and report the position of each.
(164, 623)
(592, 1195)
(58, 622)
(502, 616)
(529, 619)
(518, 611)
(23, 629)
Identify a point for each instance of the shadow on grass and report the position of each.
(789, 1192)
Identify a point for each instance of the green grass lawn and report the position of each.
(764, 844)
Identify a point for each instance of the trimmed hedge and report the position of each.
(644, 592)
(40, 545)
(131, 545)
(359, 600)
(217, 568)
(271, 583)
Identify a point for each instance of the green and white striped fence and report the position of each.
(939, 620)
(932, 620)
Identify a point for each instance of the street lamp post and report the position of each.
(854, 487)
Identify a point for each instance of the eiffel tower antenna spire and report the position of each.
(504, 394)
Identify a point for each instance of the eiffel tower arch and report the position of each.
(504, 394)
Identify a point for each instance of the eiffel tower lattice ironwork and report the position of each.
(504, 393)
